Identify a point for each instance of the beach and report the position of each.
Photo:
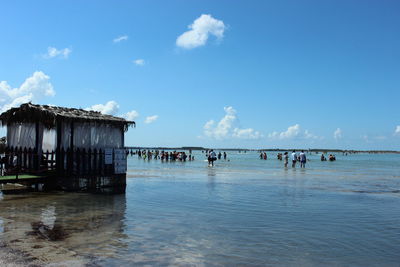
(242, 212)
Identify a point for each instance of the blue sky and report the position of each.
(213, 73)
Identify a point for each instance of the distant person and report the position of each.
(323, 157)
(332, 157)
(212, 156)
(286, 159)
(224, 155)
(303, 159)
(294, 159)
(261, 155)
(265, 156)
(219, 155)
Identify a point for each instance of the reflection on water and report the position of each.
(64, 226)
(242, 212)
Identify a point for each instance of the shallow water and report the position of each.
(244, 211)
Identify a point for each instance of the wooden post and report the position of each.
(122, 137)
(62, 160)
(30, 159)
(95, 163)
(84, 161)
(78, 161)
(101, 161)
(58, 146)
(25, 159)
(71, 143)
(90, 161)
(70, 164)
(71, 148)
(37, 147)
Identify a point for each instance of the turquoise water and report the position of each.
(242, 212)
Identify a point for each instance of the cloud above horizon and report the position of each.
(34, 88)
(112, 108)
(120, 38)
(151, 119)
(397, 130)
(199, 32)
(293, 132)
(139, 62)
(337, 134)
(53, 52)
(131, 115)
(227, 127)
(109, 108)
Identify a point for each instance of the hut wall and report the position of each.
(65, 135)
(49, 140)
(94, 135)
(23, 135)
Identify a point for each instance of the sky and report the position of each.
(243, 73)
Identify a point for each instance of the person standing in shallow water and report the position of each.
(212, 156)
(294, 159)
(286, 159)
(303, 159)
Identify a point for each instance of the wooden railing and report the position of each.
(63, 162)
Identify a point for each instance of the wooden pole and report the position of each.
(58, 146)
(37, 148)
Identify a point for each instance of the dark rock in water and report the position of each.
(43, 231)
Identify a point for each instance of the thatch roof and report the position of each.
(49, 115)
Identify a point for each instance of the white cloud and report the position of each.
(293, 132)
(397, 130)
(131, 115)
(33, 89)
(224, 126)
(120, 38)
(151, 119)
(139, 62)
(337, 134)
(200, 30)
(308, 135)
(227, 128)
(54, 52)
(248, 133)
(110, 108)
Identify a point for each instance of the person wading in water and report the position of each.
(211, 158)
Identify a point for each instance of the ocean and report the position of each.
(241, 212)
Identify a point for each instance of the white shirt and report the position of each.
(294, 156)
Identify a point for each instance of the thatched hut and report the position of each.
(79, 142)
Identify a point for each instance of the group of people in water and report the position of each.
(212, 156)
(301, 158)
(163, 155)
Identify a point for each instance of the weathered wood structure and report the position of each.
(73, 149)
